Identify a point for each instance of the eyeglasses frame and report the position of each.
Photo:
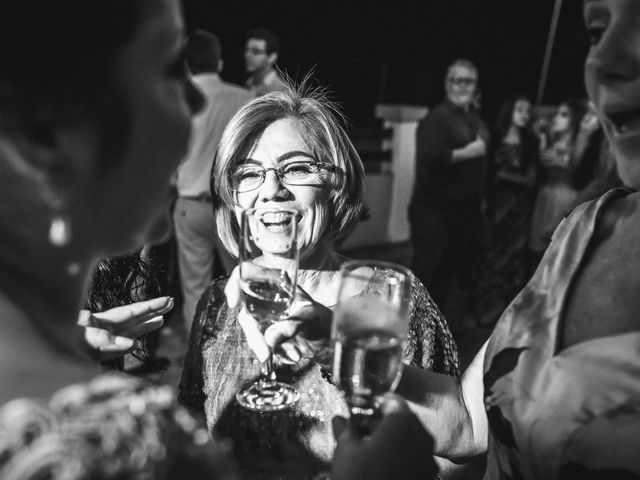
(330, 167)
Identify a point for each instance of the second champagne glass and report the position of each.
(268, 261)
(369, 333)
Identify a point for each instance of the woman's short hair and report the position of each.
(321, 127)
(462, 63)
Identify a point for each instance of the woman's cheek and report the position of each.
(313, 226)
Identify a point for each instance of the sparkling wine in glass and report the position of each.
(268, 261)
(369, 334)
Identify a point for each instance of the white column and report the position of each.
(403, 120)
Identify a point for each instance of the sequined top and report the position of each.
(114, 427)
(573, 413)
(298, 443)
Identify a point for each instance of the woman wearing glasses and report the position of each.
(288, 149)
(504, 265)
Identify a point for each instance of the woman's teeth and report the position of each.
(275, 217)
(275, 221)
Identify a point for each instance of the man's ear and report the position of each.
(273, 58)
(220, 65)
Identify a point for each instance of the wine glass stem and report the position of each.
(268, 376)
(363, 422)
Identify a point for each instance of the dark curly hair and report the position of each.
(505, 115)
(123, 280)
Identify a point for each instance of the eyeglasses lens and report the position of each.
(246, 178)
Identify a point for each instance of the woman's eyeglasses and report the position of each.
(247, 177)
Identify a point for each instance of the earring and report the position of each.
(60, 231)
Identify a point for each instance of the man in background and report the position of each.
(445, 212)
(196, 240)
(260, 57)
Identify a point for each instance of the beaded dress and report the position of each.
(114, 427)
(503, 267)
(298, 443)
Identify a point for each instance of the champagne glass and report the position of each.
(268, 261)
(369, 333)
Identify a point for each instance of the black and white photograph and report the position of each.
(319, 239)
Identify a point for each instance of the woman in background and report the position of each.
(504, 266)
(557, 161)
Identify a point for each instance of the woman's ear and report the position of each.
(47, 161)
(63, 153)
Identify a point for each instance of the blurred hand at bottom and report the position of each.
(399, 447)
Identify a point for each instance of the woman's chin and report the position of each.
(628, 165)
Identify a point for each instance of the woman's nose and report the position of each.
(616, 56)
(272, 187)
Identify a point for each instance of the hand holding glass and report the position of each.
(268, 264)
(369, 333)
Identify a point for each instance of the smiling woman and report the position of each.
(288, 150)
(300, 129)
(612, 79)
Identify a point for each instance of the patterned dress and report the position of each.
(556, 194)
(566, 414)
(114, 427)
(503, 268)
(298, 443)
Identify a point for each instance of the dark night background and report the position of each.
(375, 51)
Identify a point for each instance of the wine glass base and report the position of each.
(271, 398)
